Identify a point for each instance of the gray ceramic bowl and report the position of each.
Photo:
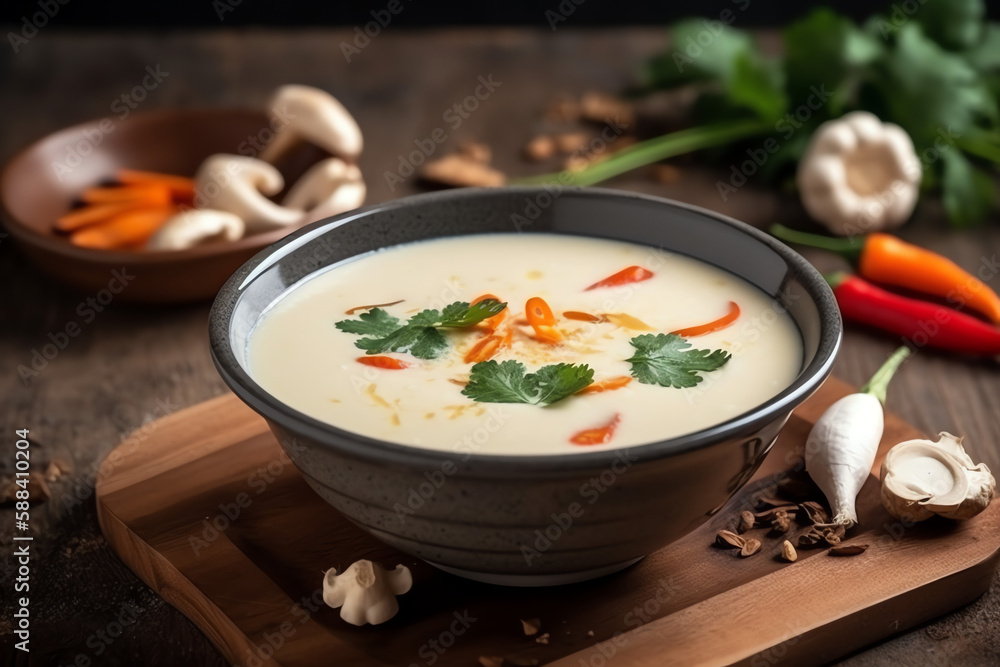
(529, 520)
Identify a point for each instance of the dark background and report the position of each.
(213, 13)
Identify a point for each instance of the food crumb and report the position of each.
(395, 419)
(490, 661)
(542, 639)
(590, 633)
(429, 415)
(531, 626)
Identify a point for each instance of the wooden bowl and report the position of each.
(42, 181)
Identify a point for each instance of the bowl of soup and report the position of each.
(526, 386)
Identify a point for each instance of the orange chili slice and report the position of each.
(582, 317)
(542, 320)
(597, 436)
(715, 325)
(633, 274)
(606, 385)
(487, 348)
(388, 363)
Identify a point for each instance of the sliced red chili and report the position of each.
(597, 436)
(633, 274)
(542, 320)
(714, 325)
(387, 363)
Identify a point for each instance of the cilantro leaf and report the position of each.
(666, 360)
(375, 322)
(419, 336)
(966, 190)
(507, 382)
(955, 24)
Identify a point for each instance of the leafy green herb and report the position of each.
(508, 382)
(669, 361)
(419, 336)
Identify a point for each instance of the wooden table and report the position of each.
(132, 364)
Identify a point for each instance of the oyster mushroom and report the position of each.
(330, 187)
(307, 114)
(238, 185)
(921, 478)
(195, 227)
(366, 592)
(859, 175)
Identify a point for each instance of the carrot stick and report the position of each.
(131, 228)
(89, 215)
(487, 348)
(179, 186)
(606, 385)
(140, 195)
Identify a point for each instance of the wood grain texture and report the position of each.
(211, 514)
(133, 364)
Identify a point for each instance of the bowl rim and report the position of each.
(502, 465)
(51, 243)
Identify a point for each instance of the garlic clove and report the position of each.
(365, 592)
(900, 147)
(866, 126)
(921, 478)
(835, 139)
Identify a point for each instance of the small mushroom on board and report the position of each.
(307, 114)
(366, 592)
(196, 227)
(330, 187)
(921, 478)
(239, 185)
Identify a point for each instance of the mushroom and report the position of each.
(309, 114)
(921, 478)
(366, 592)
(195, 227)
(859, 175)
(238, 185)
(330, 187)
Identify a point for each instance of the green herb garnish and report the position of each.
(419, 336)
(508, 382)
(669, 361)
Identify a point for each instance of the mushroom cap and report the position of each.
(195, 227)
(329, 187)
(317, 117)
(238, 184)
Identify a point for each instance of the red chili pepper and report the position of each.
(890, 260)
(919, 322)
(597, 436)
(715, 325)
(633, 274)
(387, 363)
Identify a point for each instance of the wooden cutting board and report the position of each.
(206, 509)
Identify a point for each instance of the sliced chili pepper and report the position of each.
(714, 325)
(582, 317)
(351, 311)
(920, 322)
(388, 363)
(542, 320)
(606, 385)
(890, 260)
(491, 323)
(487, 348)
(633, 274)
(597, 436)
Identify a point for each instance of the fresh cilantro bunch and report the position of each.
(508, 382)
(419, 335)
(933, 70)
(669, 361)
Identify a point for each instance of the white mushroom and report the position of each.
(303, 113)
(195, 227)
(921, 478)
(238, 185)
(330, 187)
(366, 592)
(859, 175)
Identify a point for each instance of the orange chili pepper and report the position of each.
(889, 260)
(387, 363)
(606, 385)
(714, 325)
(582, 317)
(633, 274)
(487, 348)
(542, 320)
(492, 323)
(597, 436)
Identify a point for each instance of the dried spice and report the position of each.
(809, 540)
(848, 550)
(542, 639)
(751, 547)
(727, 539)
(788, 552)
(747, 521)
(782, 522)
(531, 626)
(769, 515)
(815, 512)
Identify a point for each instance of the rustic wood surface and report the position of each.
(131, 364)
(240, 573)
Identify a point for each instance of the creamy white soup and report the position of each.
(652, 345)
